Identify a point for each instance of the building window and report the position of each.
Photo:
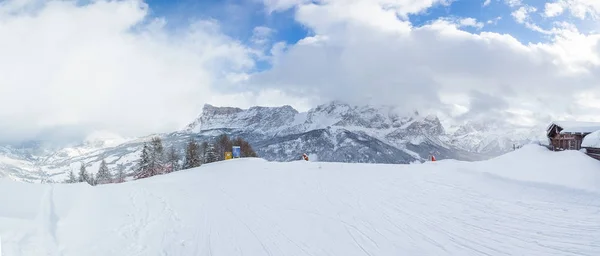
(571, 144)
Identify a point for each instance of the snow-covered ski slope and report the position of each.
(528, 202)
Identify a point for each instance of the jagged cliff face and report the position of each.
(259, 119)
(331, 132)
(334, 132)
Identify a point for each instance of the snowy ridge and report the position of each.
(333, 132)
(255, 207)
(54, 165)
(17, 169)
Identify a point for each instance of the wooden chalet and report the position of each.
(564, 135)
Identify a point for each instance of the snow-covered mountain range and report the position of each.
(335, 131)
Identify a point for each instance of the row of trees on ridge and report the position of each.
(155, 160)
(103, 176)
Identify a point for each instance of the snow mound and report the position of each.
(255, 207)
(592, 140)
(533, 163)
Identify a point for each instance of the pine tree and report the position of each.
(247, 150)
(211, 154)
(157, 156)
(223, 144)
(91, 179)
(72, 178)
(172, 160)
(103, 176)
(192, 155)
(120, 175)
(83, 175)
(143, 170)
(203, 148)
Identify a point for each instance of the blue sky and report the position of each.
(238, 18)
(475, 9)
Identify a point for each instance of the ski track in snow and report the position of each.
(52, 220)
(249, 207)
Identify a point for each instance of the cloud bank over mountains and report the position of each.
(115, 66)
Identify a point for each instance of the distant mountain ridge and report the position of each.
(336, 132)
(382, 123)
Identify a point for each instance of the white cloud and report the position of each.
(261, 35)
(487, 2)
(401, 8)
(522, 14)
(390, 61)
(460, 22)
(471, 22)
(267, 98)
(584, 8)
(494, 20)
(581, 9)
(278, 5)
(553, 9)
(513, 3)
(105, 66)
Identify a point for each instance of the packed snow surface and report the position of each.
(528, 202)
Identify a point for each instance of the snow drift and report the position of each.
(529, 202)
(592, 140)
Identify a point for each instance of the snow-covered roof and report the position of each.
(592, 140)
(577, 127)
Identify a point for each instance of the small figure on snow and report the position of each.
(432, 158)
(305, 156)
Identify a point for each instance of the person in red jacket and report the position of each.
(305, 157)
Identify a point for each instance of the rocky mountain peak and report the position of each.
(432, 125)
(265, 111)
(478, 126)
(257, 117)
(287, 120)
(332, 107)
(210, 110)
(338, 113)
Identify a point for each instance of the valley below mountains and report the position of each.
(333, 132)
